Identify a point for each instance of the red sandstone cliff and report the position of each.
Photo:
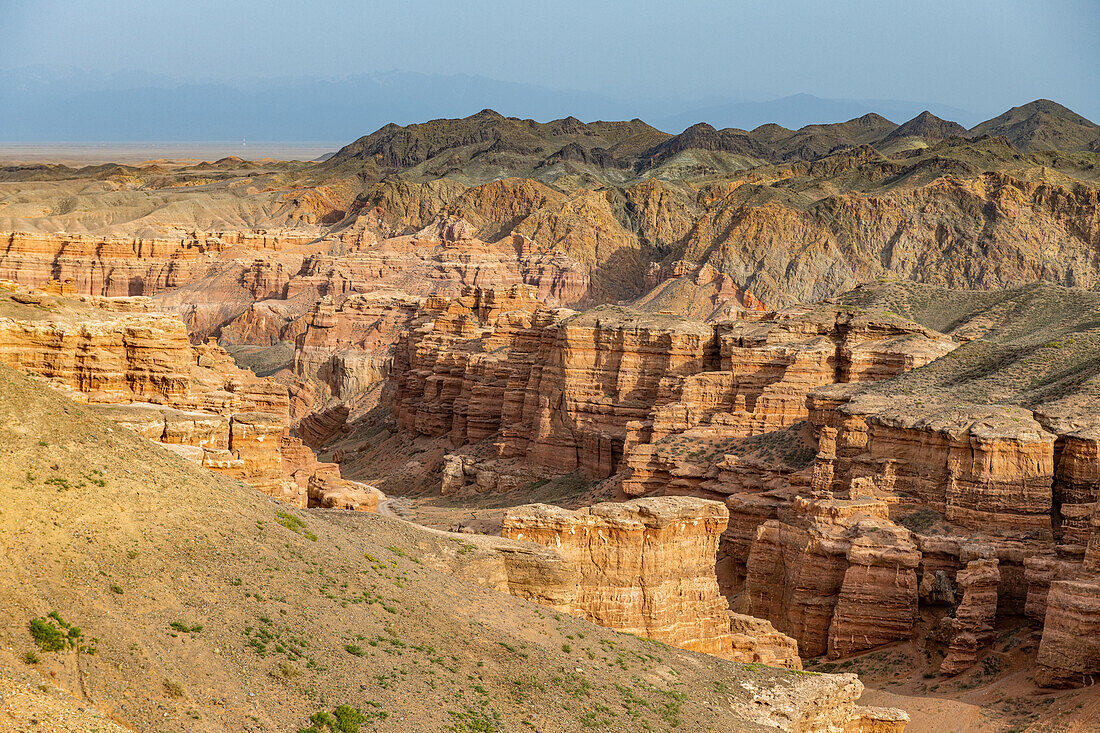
(140, 368)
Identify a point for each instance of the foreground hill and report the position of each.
(203, 605)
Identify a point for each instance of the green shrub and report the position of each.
(295, 525)
(344, 719)
(474, 720)
(54, 634)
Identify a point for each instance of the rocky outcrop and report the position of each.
(755, 640)
(1017, 485)
(973, 623)
(344, 351)
(834, 574)
(646, 567)
(333, 492)
(983, 467)
(140, 369)
(775, 415)
(818, 704)
(598, 391)
(122, 266)
(1069, 653)
(602, 370)
(454, 372)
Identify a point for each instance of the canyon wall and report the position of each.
(598, 391)
(121, 266)
(646, 567)
(1004, 500)
(139, 368)
(851, 508)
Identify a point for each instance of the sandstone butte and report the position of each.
(140, 369)
(646, 567)
(774, 415)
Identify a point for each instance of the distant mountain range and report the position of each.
(799, 110)
(80, 106)
(488, 145)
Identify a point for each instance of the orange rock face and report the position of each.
(1021, 483)
(1069, 653)
(597, 391)
(646, 567)
(834, 574)
(126, 266)
(987, 468)
(140, 368)
(975, 616)
(454, 373)
(680, 407)
(344, 352)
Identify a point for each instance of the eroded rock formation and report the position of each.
(835, 574)
(646, 567)
(597, 391)
(121, 266)
(851, 507)
(141, 370)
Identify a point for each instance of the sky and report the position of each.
(979, 56)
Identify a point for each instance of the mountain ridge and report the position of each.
(518, 146)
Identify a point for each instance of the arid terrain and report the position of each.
(487, 424)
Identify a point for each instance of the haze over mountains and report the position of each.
(42, 105)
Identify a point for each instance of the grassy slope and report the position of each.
(163, 541)
(1039, 344)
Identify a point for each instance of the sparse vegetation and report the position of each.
(53, 634)
(474, 720)
(295, 525)
(343, 719)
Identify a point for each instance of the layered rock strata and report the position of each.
(1020, 485)
(595, 391)
(983, 467)
(140, 368)
(972, 626)
(121, 266)
(646, 567)
(773, 415)
(835, 574)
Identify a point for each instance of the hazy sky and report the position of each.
(983, 56)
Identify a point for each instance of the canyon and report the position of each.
(845, 493)
(787, 399)
(139, 368)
